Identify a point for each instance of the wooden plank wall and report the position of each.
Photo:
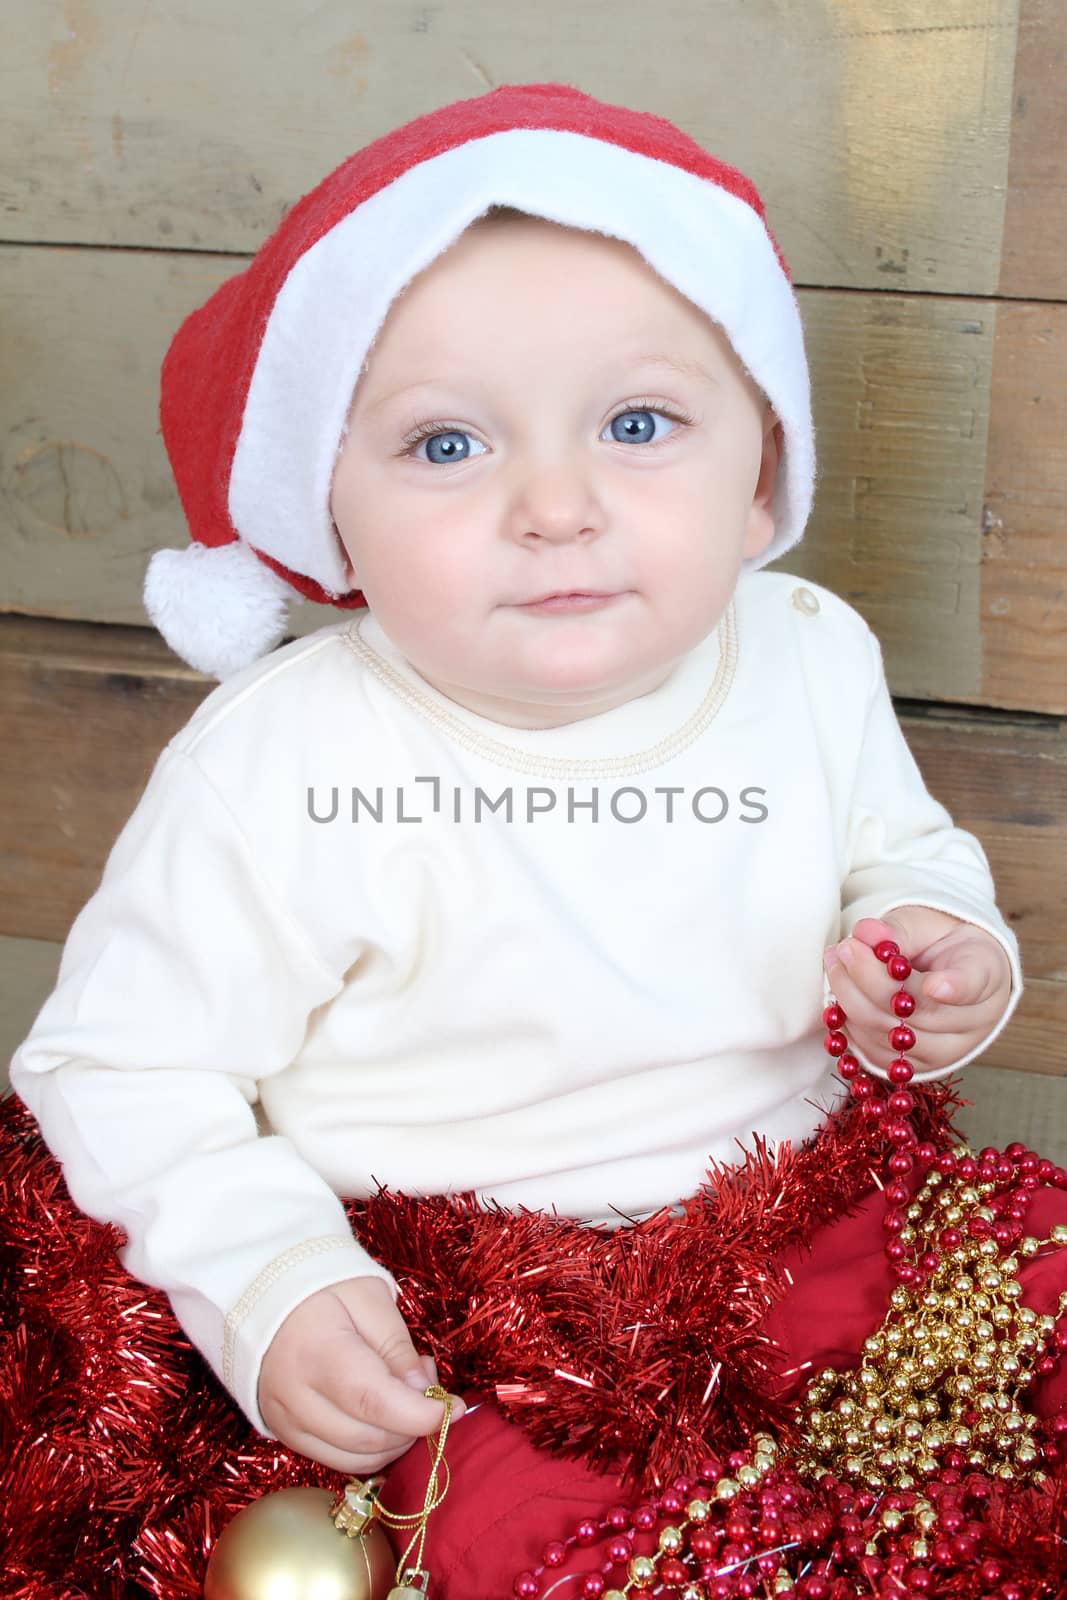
(913, 156)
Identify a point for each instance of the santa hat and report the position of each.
(257, 383)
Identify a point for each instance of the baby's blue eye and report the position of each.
(450, 450)
(645, 429)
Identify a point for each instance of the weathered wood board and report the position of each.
(28, 970)
(1024, 571)
(1034, 252)
(903, 389)
(1006, 1105)
(84, 711)
(877, 130)
(901, 398)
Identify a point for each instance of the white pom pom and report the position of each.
(219, 608)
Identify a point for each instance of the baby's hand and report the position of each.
(943, 951)
(342, 1383)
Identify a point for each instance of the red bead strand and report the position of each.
(892, 1110)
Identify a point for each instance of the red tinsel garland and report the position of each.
(687, 1294)
(121, 1457)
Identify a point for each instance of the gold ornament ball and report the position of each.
(286, 1547)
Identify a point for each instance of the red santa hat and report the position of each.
(257, 383)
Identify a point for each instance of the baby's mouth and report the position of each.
(574, 600)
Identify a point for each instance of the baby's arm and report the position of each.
(906, 864)
(183, 981)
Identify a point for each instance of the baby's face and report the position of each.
(552, 460)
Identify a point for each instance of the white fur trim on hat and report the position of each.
(219, 608)
(705, 241)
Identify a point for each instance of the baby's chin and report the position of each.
(553, 696)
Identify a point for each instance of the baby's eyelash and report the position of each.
(426, 430)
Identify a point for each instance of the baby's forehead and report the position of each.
(647, 291)
(643, 287)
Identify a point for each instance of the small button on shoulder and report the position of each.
(805, 601)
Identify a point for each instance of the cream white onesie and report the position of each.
(354, 933)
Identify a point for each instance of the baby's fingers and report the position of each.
(975, 972)
(863, 988)
(385, 1385)
(361, 1390)
(322, 1430)
(861, 984)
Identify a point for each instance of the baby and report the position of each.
(520, 877)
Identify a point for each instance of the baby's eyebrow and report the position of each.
(688, 369)
(419, 383)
